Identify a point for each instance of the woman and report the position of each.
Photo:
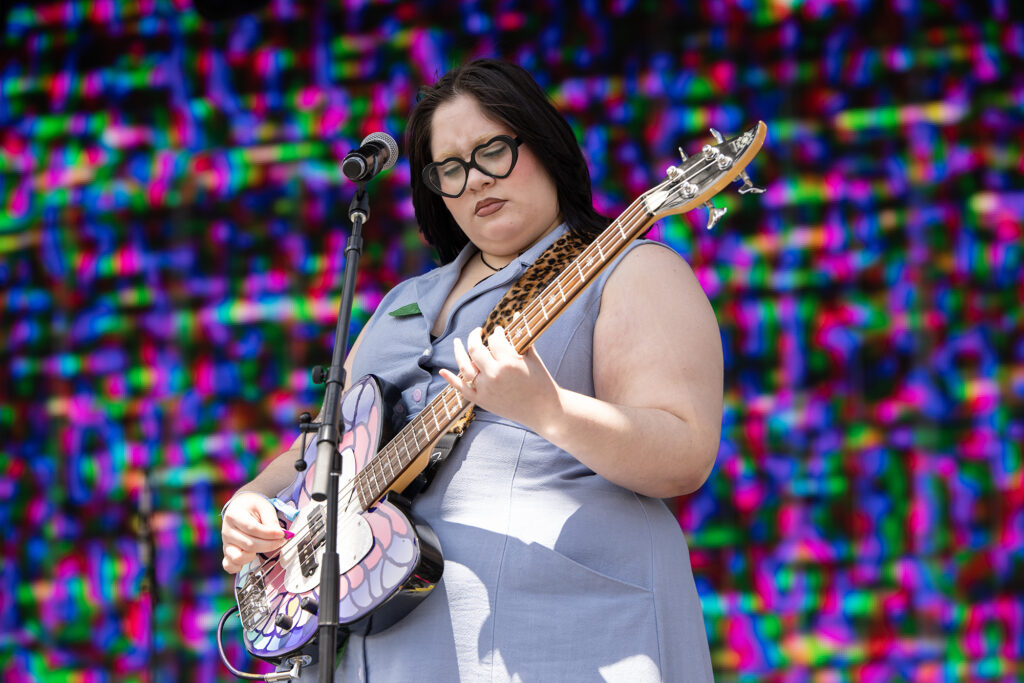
(561, 561)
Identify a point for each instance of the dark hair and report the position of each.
(508, 94)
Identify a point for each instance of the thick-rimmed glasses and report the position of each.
(495, 158)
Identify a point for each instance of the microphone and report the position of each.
(378, 152)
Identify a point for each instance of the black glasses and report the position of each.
(495, 158)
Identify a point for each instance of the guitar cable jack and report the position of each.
(292, 674)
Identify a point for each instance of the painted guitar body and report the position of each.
(389, 561)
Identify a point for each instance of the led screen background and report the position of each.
(172, 231)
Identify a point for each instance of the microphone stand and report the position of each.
(328, 459)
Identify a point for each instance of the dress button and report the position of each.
(417, 394)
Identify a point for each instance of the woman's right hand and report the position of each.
(249, 527)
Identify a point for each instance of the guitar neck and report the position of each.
(535, 318)
(392, 462)
(440, 414)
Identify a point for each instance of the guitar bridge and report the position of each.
(252, 601)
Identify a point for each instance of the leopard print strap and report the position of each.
(549, 264)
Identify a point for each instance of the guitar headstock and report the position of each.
(700, 177)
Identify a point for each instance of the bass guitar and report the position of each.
(390, 560)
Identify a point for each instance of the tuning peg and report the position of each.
(714, 213)
(748, 185)
(682, 154)
(717, 136)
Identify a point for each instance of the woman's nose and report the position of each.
(477, 179)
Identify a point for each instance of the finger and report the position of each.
(259, 530)
(465, 363)
(478, 353)
(533, 360)
(499, 345)
(252, 544)
(465, 388)
(249, 521)
(230, 567)
(235, 558)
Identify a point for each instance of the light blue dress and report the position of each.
(552, 573)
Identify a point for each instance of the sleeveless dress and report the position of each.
(552, 573)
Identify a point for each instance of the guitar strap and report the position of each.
(541, 272)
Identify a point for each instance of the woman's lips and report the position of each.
(485, 207)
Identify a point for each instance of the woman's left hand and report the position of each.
(498, 379)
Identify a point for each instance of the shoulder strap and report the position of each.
(531, 283)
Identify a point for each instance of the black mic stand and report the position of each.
(328, 459)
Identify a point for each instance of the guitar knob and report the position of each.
(283, 622)
(310, 604)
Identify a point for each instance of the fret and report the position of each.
(421, 420)
(405, 442)
(558, 283)
(525, 324)
(366, 491)
(373, 477)
(433, 414)
(615, 247)
(359, 496)
(517, 338)
(417, 445)
(597, 245)
(450, 413)
(621, 231)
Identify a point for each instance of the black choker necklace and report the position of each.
(484, 261)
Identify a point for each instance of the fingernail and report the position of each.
(288, 534)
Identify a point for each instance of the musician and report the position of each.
(561, 560)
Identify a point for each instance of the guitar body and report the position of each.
(389, 560)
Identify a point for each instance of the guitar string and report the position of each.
(632, 213)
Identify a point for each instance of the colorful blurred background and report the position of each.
(172, 228)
